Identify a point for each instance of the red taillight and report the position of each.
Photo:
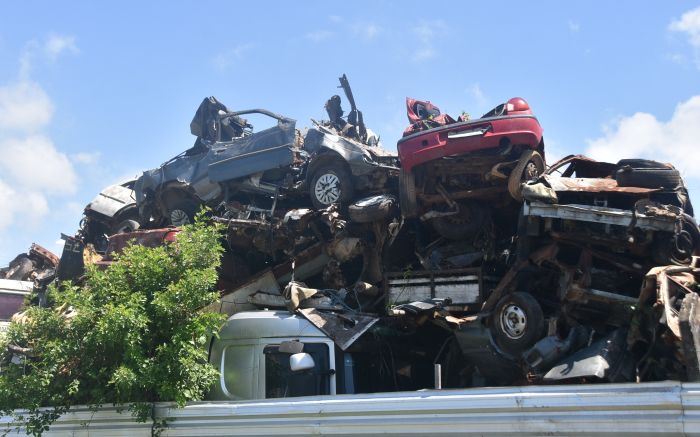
(170, 236)
(517, 104)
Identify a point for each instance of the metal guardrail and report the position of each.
(647, 409)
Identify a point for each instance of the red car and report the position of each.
(455, 162)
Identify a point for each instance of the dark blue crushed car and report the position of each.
(250, 172)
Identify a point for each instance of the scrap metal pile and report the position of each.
(465, 250)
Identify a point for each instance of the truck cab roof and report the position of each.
(266, 324)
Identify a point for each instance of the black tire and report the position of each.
(182, 212)
(126, 221)
(20, 268)
(407, 194)
(640, 163)
(676, 249)
(517, 323)
(661, 177)
(126, 226)
(529, 166)
(470, 219)
(372, 209)
(331, 183)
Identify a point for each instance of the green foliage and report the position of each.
(131, 335)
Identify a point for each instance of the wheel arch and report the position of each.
(325, 158)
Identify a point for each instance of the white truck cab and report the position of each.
(276, 354)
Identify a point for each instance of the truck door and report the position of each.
(281, 382)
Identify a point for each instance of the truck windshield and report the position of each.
(281, 382)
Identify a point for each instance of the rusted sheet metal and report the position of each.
(147, 238)
(463, 194)
(600, 214)
(670, 284)
(307, 263)
(593, 185)
(238, 299)
(44, 254)
(343, 329)
(581, 166)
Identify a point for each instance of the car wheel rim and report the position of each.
(327, 189)
(179, 217)
(513, 321)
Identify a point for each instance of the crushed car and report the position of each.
(37, 262)
(454, 172)
(230, 163)
(112, 211)
(346, 155)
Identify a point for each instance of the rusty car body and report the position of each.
(455, 172)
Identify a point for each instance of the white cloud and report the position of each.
(427, 32)
(24, 106)
(573, 26)
(689, 23)
(85, 158)
(56, 45)
(225, 60)
(366, 31)
(31, 168)
(642, 135)
(33, 163)
(49, 50)
(18, 205)
(319, 35)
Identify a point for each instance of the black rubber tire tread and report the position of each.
(375, 209)
(126, 226)
(407, 194)
(127, 218)
(20, 268)
(534, 327)
(641, 163)
(189, 206)
(477, 217)
(663, 177)
(347, 190)
(515, 180)
(664, 248)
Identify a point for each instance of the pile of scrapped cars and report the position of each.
(465, 251)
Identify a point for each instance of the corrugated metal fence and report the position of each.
(665, 408)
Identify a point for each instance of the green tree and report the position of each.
(132, 335)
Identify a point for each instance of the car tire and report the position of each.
(676, 249)
(126, 226)
(470, 219)
(407, 194)
(640, 163)
(529, 166)
(330, 183)
(126, 221)
(20, 268)
(517, 323)
(659, 177)
(182, 212)
(372, 209)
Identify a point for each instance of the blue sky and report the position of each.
(93, 92)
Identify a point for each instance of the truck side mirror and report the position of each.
(301, 361)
